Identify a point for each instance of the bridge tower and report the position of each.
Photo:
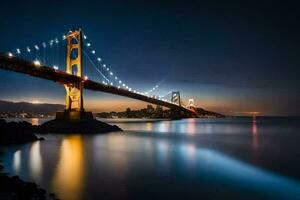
(74, 91)
(175, 112)
(74, 95)
(191, 104)
(176, 98)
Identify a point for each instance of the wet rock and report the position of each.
(16, 132)
(15, 188)
(52, 194)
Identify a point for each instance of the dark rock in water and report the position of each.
(15, 188)
(76, 126)
(16, 132)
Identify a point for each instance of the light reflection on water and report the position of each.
(35, 161)
(17, 161)
(35, 121)
(142, 165)
(254, 135)
(69, 173)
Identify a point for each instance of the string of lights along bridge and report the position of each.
(80, 52)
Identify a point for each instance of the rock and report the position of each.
(16, 132)
(77, 126)
(22, 132)
(52, 194)
(15, 188)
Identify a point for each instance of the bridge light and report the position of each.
(120, 81)
(37, 63)
(86, 78)
(116, 78)
(64, 37)
(88, 44)
(93, 51)
(156, 86)
(55, 67)
(118, 87)
(28, 49)
(123, 85)
(18, 51)
(129, 89)
(99, 59)
(104, 65)
(44, 45)
(56, 41)
(36, 47)
(111, 73)
(10, 55)
(126, 87)
(84, 37)
(107, 69)
(111, 83)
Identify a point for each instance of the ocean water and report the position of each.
(241, 158)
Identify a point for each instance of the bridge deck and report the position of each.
(25, 67)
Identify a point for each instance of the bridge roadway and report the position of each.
(25, 67)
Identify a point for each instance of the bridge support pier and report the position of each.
(74, 115)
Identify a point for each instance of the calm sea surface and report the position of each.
(237, 158)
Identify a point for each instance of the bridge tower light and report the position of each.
(10, 55)
(176, 98)
(191, 103)
(37, 63)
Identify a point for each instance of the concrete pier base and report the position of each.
(74, 115)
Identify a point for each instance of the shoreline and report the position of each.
(13, 187)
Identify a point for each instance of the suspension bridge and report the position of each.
(44, 60)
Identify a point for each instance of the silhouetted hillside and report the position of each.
(7, 106)
(206, 113)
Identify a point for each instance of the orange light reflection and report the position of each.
(69, 173)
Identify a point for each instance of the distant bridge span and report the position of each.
(22, 66)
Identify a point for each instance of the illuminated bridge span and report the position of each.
(75, 81)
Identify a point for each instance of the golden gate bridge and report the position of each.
(32, 60)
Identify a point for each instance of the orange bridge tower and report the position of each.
(74, 91)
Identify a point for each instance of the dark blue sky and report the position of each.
(231, 57)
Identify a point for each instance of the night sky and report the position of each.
(231, 57)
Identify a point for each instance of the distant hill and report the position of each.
(43, 108)
(206, 113)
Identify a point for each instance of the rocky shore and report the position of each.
(13, 188)
(16, 132)
(76, 126)
(23, 132)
